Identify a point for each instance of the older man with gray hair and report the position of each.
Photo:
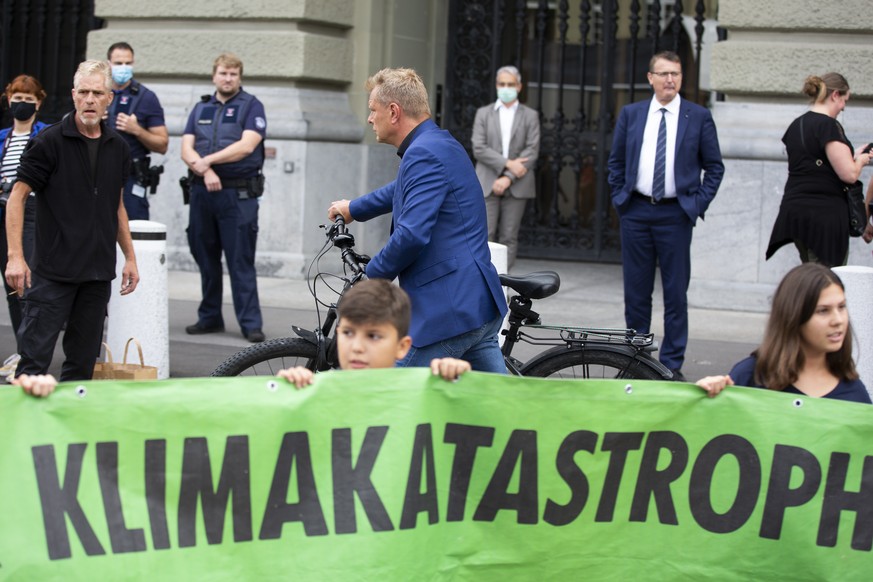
(506, 145)
(79, 167)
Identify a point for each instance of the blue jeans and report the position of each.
(479, 347)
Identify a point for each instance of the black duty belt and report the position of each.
(226, 182)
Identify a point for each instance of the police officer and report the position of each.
(137, 114)
(223, 147)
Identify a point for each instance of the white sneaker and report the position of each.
(7, 371)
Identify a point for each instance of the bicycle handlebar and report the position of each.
(340, 237)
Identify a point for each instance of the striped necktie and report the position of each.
(658, 185)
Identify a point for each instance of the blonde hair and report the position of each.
(88, 68)
(820, 88)
(401, 86)
(228, 61)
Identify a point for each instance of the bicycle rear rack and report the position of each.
(582, 336)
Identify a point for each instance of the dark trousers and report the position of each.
(28, 233)
(220, 221)
(47, 305)
(137, 207)
(650, 235)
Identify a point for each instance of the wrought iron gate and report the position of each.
(46, 39)
(580, 63)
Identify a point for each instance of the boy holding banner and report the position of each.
(372, 332)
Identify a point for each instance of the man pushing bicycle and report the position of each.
(438, 246)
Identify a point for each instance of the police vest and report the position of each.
(217, 125)
(126, 102)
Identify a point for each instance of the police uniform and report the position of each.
(227, 219)
(136, 99)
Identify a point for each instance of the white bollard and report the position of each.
(499, 257)
(143, 314)
(500, 260)
(859, 300)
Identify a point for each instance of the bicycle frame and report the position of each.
(322, 336)
(571, 351)
(627, 342)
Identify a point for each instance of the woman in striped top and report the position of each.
(25, 95)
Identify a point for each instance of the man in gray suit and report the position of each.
(506, 144)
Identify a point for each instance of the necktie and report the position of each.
(660, 160)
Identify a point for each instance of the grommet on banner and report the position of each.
(81, 391)
(798, 403)
(628, 389)
(272, 385)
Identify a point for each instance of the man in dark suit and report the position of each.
(438, 246)
(664, 170)
(506, 145)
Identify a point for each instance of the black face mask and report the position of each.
(22, 110)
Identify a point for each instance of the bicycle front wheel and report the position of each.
(590, 362)
(267, 358)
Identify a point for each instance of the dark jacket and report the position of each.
(77, 212)
(697, 151)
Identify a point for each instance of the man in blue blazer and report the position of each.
(438, 246)
(664, 170)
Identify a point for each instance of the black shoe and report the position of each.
(678, 376)
(255, 336)
(198, 329)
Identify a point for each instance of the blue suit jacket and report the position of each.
(439, 241)
(696, 150)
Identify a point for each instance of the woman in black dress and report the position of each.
(814, 214)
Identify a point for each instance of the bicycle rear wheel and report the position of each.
(267, 358)
(589, 363)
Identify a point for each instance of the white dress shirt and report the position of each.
(650, 144)
(507, 116)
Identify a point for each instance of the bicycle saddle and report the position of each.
(535, 285)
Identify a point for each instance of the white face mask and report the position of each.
(507, 94)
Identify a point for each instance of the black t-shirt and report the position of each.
(93, 147)
(809, 171)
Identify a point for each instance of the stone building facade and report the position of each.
(307, 60)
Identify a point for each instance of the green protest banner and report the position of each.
(396, 475)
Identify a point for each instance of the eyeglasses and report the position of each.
(666, 74)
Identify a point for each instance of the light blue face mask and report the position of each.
(121, 74)
(507, 94)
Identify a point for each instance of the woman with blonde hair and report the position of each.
(814, 214)
(807, 347)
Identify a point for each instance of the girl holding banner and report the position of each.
(807, 347)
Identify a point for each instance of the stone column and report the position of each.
(771, 48)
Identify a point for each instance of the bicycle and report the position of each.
(574, 352)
